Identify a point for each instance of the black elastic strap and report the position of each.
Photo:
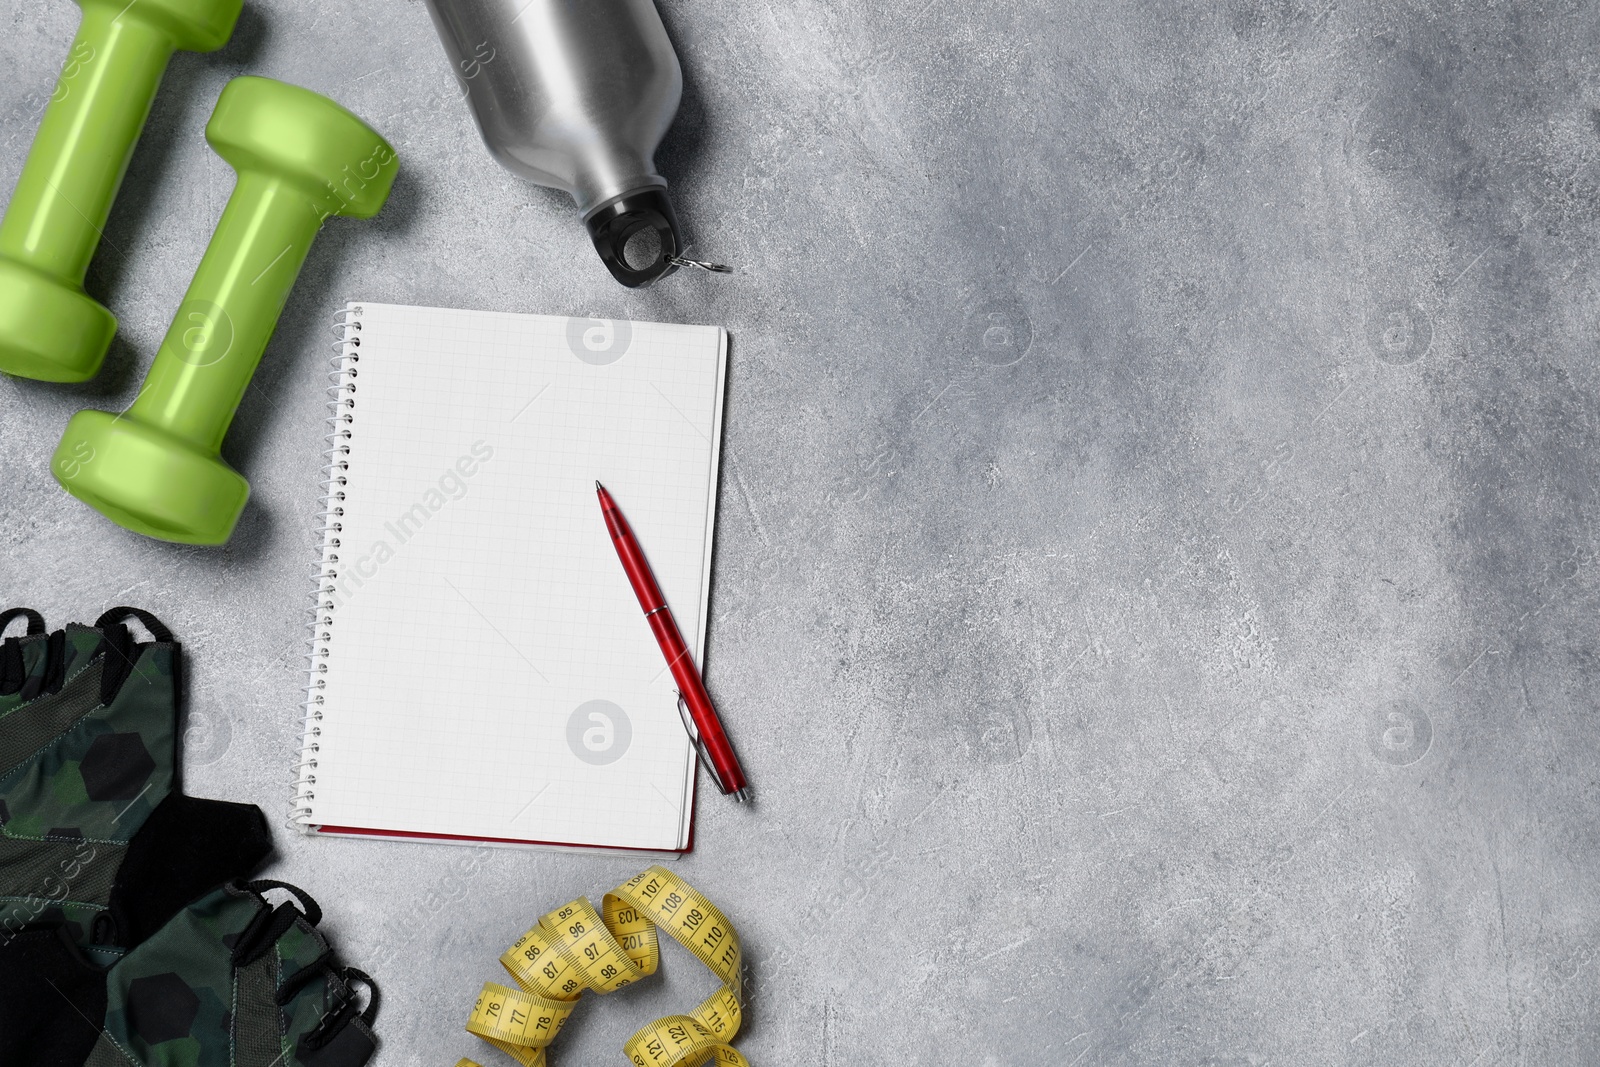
(330, 1025)
(35, 620)
(313, 913)
(338, 1018)
(13, 671)
(55, 670)
(116, 644)
(346, 975)
(157, 628)
(370, 1016)
(119, 648)
(264, 930)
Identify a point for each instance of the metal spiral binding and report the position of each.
(342, 374)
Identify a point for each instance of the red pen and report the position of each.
(694, 703)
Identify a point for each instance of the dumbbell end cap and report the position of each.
(270, 127)
(148, 481)
(50, 331)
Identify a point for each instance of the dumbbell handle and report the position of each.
(85, 140)
(228, 315)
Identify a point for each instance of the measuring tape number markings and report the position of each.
(574, 948)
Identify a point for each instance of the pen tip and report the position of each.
(597, 484)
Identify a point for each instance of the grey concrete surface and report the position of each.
(1157, 577)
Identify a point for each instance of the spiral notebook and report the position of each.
(481, 671)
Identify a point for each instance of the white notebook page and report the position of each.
(488, 671)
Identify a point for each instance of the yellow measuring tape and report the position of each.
(576, 948)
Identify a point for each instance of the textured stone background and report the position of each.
(1157, 572)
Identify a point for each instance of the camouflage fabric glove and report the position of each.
(95, 832)
(230, 981)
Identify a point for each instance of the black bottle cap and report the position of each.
(614, 223)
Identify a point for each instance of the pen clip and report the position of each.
(699, 746)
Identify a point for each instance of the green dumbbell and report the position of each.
(49, 328)
(156, 468)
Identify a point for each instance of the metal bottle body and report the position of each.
(571, 94)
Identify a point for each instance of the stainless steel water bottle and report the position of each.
(576, 95)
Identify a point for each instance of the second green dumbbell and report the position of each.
(49, 327)
(156, 468)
